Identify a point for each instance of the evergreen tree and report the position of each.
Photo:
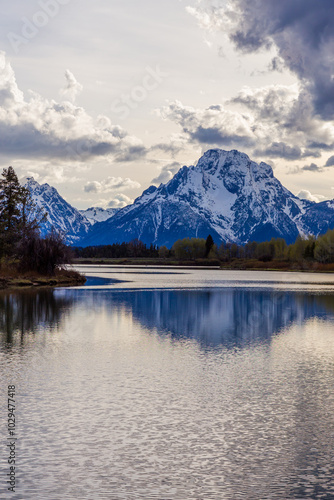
(11, 194)
(208, 245)
(19, 216)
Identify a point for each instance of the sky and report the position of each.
(102, 99)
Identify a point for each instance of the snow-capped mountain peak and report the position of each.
(60, 214)
(225, 194)
(98, 214)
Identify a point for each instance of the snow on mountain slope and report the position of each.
(60, 214)
(226, 195)
(317, 219)
(98, 214)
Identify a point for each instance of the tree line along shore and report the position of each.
(309, 254)
(27, 259)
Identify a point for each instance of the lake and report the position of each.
(171, 384)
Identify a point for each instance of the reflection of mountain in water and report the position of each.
(227, 316)
(23, 312)
(223, 316)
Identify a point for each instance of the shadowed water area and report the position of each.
(171, 384)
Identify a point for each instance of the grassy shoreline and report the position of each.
(236, 264)
(62, 277)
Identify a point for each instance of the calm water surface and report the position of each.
(171, 384)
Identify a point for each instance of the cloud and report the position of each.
(312, 168)
(38, 128)
(72, 87)
(120, 201)
(176, 144)
(330, 162)
(211, 126)
(166, 173)
(276, 64)
(281, 150)
(306, 195)
(9, 91)
(270, 122)
(52, 173)
(210, 20)
(133, 151)
(301, 31)
(110, 184)
(315, 168)
(287, 112)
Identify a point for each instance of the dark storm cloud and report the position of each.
(302, 31)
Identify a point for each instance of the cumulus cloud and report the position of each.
(306, 195)
(72, 88)
(38, 128)
(302, 31)
(214, 125)
(272, 122)
(287, 113)
(110, 184)
(120, 201)
(166, 173)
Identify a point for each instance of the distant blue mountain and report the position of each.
(226, 195)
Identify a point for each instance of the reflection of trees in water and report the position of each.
(327, 301)
(23, 312)
(234, 316)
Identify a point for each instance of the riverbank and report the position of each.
(61, 277)
(277, 265)
(235, 264)
(139, 261)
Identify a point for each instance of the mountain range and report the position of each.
(98, 214)
(226, 195)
